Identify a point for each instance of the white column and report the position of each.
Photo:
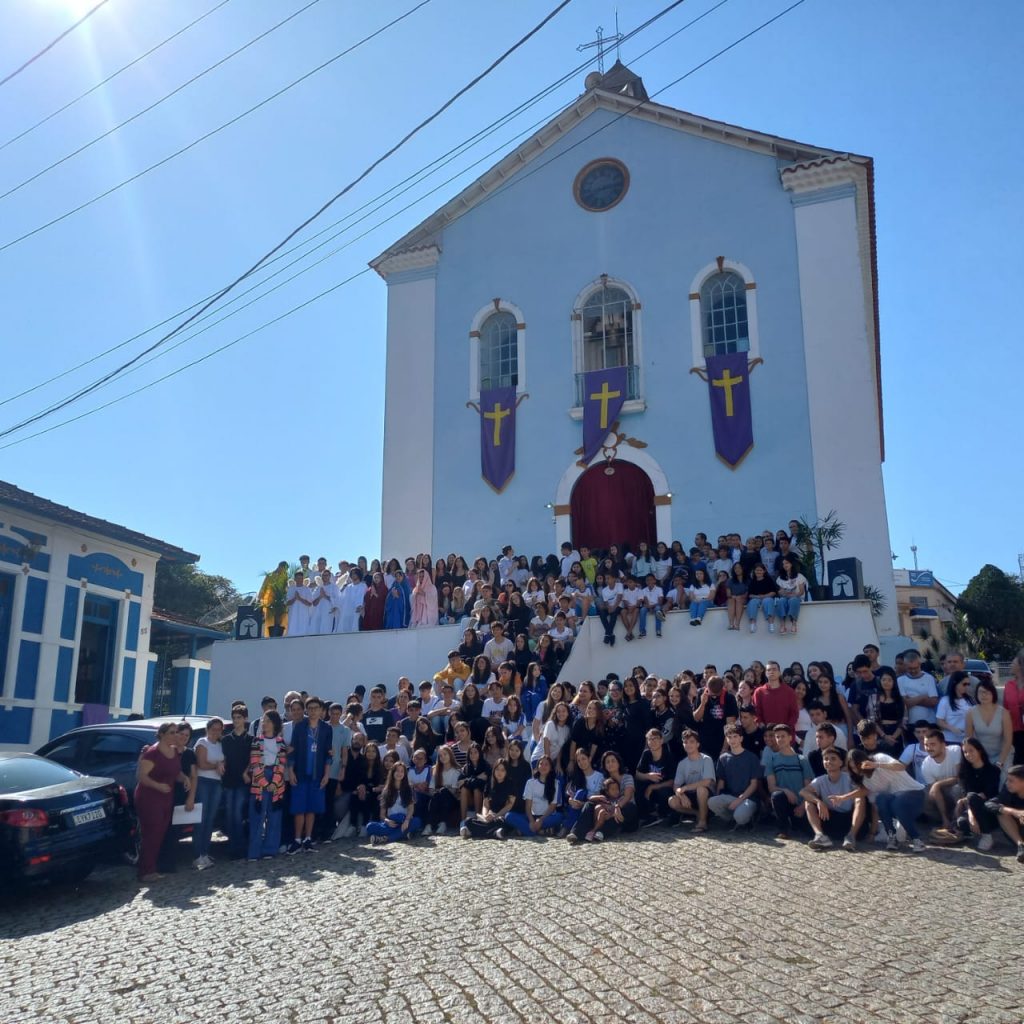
(408, 479)
(842, 381)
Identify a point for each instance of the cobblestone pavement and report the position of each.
(663, 927)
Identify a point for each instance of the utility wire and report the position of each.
(227, 124)
(111, 77)
(145, 110)
(315, 298)
(341, 248)
(309, 220)
(415, 178)
(49, 46)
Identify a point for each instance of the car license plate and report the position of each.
(84, 817)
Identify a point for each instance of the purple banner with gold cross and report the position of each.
(498, 436)
(604, 391)
(731, 419)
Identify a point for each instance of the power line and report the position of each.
(309, 220)
(111, 77)
(188, 366)
(145, 110)
(49, 46)
(315, 298)
(227, 124)
(418, 175)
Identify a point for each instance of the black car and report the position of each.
(56, 823)
(112, 749)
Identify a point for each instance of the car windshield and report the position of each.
(21, 773)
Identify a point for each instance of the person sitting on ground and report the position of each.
(898, 797)
(540, 814)
(655, 776)
(1009, 806)
(738, 773)
(786, 773)
(398, 820)
(499, 799)
(693, 783)
(940, 772)
(832, 813)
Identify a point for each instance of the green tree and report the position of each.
(993, 605)
(193, 594)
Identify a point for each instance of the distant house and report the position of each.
(925, 608)
(76, 618)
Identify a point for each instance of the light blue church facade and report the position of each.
(626, 233)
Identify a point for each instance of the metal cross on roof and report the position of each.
(602, 43)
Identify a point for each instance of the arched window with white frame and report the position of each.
(497, 354)
(606, 333)
(499, 351)
(723, 311)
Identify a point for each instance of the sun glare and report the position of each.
(76, 8)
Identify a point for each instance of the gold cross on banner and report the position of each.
(604, 396)
(497, 414)
(727, 382)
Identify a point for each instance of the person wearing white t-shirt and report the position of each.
(698, 594)
(561, 636)
(632, 596)
(609, 607)
(898, 797)
(570, 556)
(651, 599)
(940, 772)
(918, 689)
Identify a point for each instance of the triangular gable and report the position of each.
(425, 234)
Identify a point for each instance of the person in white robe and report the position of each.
(300, 605)
(350, 602)
(325, 602)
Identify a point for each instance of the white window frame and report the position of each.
(638, 404)
(492, 307)
(722, 266)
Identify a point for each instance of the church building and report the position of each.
(638, 325)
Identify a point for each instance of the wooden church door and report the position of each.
(613, 504)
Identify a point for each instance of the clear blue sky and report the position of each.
(274, 446)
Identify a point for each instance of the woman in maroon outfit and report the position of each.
(159, 770)
(373, 603)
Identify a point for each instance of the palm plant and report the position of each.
(818, 538)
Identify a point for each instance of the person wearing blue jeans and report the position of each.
(699, 593)
(897, 795)
(792, 586)
(264, 821)
(209, 769)
(237, 745)
(652, 601)
(540, 809)
(396, 809)
(761, 596)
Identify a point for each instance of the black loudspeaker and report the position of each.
(845, 580)
(248, 622)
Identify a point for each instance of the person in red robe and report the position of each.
(373, 603)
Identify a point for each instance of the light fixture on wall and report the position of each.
(668, 494)
(549, 505)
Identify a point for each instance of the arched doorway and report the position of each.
(613, 507)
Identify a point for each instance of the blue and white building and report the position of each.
(76, 619)
(628, 233)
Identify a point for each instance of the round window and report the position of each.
(601, 184)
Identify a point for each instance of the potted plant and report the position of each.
(815, 541)
(273, 596)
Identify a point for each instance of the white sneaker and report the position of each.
(771, 627)
(464, 832)
(917, 845)
(985, 841)
(441, 829)
(342, 831)
(753, 626)
(428, 830)
(820, 842)
(901, 833)
(202, 863)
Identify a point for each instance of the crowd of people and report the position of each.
(489, 747)
(761, 578)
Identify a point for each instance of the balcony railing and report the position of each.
(632, 385)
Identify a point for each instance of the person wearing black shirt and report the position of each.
(655, 774)
(979, 779)
(236, 746)
(499, 799)
(825, 739)
(752, 733)
(716, 710)
(377, 718)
